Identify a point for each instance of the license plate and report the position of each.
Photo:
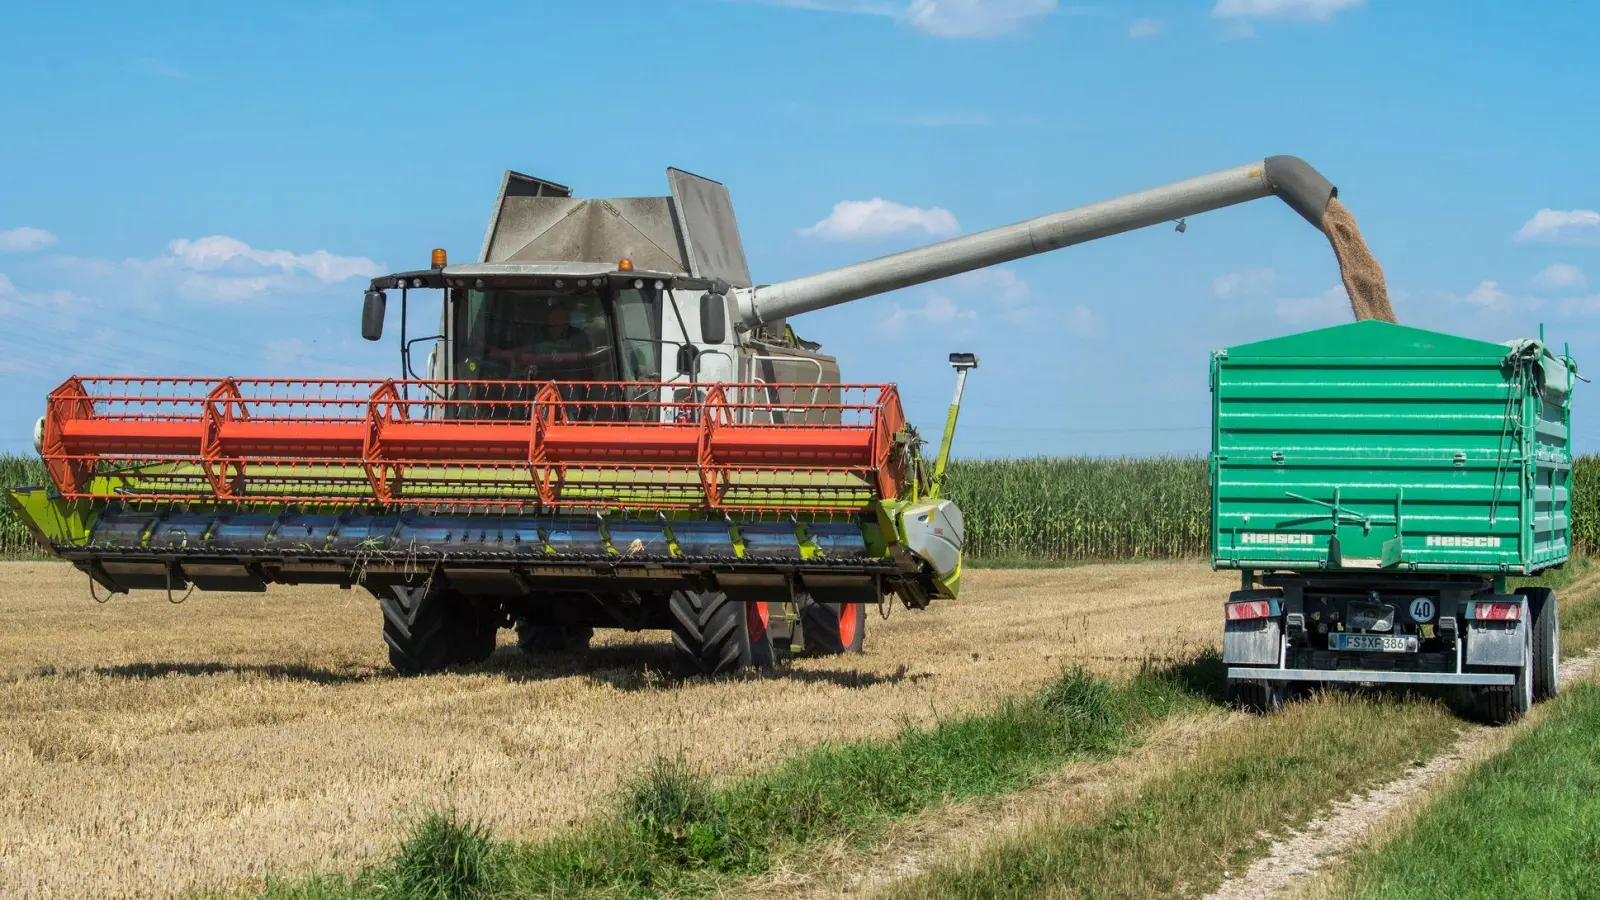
(1374, 643)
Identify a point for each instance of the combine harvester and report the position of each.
(1375, 485)
(592, 444)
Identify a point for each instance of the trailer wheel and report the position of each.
(1504, 705)
(1546, 642)
(1258, 696)
(713, 635)
(829, 629)
(428, 629)
(540, 638)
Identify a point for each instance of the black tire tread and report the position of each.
(1261, 697)
(819, 624)
(710, 635)
(1546, 642)
(539, 638)
(427, 630)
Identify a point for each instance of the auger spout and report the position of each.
(1289, 178)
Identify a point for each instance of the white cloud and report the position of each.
(25, 240)
(998, 283)
(1250, 282)
(936, 310)
(1562, 226)
(209, 254)
(1331, 307)
(941, 18)
(13, 298)
(1145, 28)
(1082, 322)
(974, 18)
(216, 269)
(1238, 30)
(1314, 10)
(1490, 298)
(999, 292)
(866, 220)
(1581, 307)
(1560, 277)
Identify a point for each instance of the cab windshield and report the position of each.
(543, 335)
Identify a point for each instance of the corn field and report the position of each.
(1075, 508)
(1046, 509)
(15, 541)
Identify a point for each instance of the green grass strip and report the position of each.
(1524, 824)
(677, 832)
(1178, 835)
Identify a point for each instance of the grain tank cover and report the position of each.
(1380, 446)
(692, 232)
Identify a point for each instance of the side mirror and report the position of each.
(372, 315)
(713, 318)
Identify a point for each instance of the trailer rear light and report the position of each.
(1497, 612)
(1249, 609)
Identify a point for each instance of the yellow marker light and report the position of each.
(625, 265)
(438, 258)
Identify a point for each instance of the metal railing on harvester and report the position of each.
(476, 444)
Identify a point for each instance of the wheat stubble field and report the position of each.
(147, 747)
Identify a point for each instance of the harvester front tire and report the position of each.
(713, 635)
(541, 638)
(428, 630)
(830, 629)
(1546, 642)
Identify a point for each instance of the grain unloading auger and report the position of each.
(584, 450)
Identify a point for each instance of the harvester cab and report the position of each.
(570, 289)
(615, 427)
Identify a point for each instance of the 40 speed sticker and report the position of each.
(1422, 610)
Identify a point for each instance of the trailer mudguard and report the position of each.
(1497, 643)
(1253, 642)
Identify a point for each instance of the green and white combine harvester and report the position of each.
(615, 428)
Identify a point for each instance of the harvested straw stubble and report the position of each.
(1363, 277)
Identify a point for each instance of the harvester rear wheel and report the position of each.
(713, 635)
(538, 638)
(830, 629)
(428, 629)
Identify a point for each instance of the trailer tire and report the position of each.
(428, 629)
(542, 638)
(1258, 696)
(1546, 642)
(1502, 706)
(713, 635)
(829, 629)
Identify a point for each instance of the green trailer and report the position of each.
(1375, 485)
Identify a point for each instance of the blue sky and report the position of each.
(203, 188)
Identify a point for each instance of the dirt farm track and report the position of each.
(146, 747)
